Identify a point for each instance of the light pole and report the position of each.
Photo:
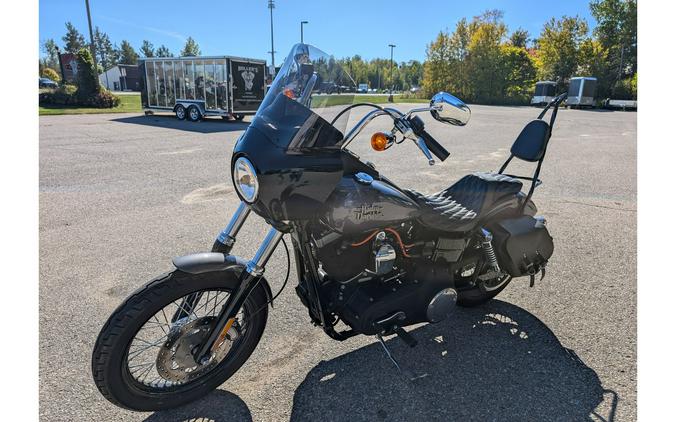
(270, 4)
(91, 39)
(302, 38)
(391, 74)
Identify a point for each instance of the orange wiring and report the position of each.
(390, 230)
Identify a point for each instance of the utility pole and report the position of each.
(302, 38)
(270, 4)
(391, 74)
(91, 40)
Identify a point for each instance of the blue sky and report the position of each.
(340, 28)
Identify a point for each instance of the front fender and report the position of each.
(205, 262)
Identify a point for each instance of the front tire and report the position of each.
(111, 358)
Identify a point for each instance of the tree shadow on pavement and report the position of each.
(210, 125)
(492, 363)
(219, 406)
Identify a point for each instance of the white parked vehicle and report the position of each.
(544, 91)
(582, 92)
(622, 104)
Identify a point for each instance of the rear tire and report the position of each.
(239, 117)
(476, 296)
(110, 356)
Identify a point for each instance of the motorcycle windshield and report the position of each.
(304, 108)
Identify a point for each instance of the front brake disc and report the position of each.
(175, 360)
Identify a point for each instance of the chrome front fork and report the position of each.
(228, 236)
(248, 279)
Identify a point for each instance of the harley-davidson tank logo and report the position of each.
(367, 212)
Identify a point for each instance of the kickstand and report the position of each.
(405, 373)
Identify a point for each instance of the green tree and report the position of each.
(594, 61)
(616, 31)
(51, 55)
(519, 38)
(558, 47)
(487, 33)
(518, 72)
(147, 49)
(73, 40)
(191, 48)
(163, 51)
(126, 54)
(104, 49)
(87, 78)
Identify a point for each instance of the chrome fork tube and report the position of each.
(248, 280)
(227, 237)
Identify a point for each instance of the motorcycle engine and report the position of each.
(367, 281)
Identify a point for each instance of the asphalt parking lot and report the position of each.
(120, 195)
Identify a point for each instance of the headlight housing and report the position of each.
(245, 179)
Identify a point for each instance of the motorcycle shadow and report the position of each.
(219, 405)
(492, 363)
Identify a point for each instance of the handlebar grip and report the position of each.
(434, 146)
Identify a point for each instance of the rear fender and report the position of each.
(205, 262)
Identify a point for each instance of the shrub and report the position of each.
(87, 78)
(103, 99)
(63, 95)
(50, 73)
(67, 95)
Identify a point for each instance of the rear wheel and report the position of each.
(143, 358)
(239, 117)
(483, 291)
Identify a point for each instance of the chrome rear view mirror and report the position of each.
(449, 109)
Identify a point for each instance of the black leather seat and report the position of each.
(462, 206)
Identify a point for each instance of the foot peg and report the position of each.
(406, 337)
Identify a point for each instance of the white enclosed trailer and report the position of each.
(582, 92)
(544, 91)
(196, 87)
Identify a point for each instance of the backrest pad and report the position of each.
(531, 143)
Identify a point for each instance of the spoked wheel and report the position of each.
(144, 356)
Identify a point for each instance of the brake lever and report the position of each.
(403, 126)
(425, 150)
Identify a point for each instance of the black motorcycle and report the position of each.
(371, 257)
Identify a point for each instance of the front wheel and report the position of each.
(143, 357)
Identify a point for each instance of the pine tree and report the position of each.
(147, 49)
(127, 55)
(163, 51)
(191, 48)
(73, 40)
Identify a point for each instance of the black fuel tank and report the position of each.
(359, 204)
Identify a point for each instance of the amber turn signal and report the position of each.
(380, 141)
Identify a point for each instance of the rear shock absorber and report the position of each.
(490, 255)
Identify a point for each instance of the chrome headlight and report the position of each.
(245, 179)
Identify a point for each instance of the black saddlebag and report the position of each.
(523, 245)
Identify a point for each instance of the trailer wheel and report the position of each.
(193, 114)
(180, 112)
(239, 117)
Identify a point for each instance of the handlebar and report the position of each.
(409, 127)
